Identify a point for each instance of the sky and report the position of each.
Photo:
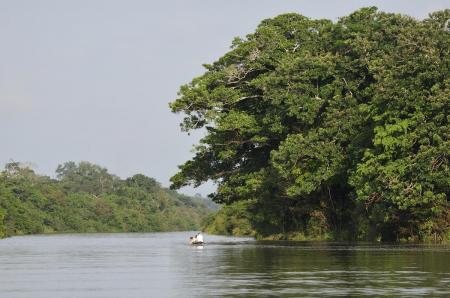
(91, 80)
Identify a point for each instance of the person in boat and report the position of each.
(197, 239)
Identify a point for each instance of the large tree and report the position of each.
(341, 126)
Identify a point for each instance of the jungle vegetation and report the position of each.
(326, 130)
(84, 197)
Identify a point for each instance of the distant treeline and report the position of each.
(327, 130)
(86, 198)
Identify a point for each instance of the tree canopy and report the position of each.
(336, 128)
(86, 198)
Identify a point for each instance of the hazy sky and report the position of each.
(91, 80)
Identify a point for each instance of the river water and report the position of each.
(163, 265)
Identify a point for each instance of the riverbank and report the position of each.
(86, 198)
(236, 220)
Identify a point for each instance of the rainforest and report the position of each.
(85, 197)
(326, 130)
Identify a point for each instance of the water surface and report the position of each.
(163, 265)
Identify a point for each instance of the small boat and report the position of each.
(194, 241)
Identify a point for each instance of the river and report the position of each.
(163, 265)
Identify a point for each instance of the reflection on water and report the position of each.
(163, 265)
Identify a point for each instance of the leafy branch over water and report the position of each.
(327, 130)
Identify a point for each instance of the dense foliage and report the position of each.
(86, 198)
(332, 129)
(233, 219)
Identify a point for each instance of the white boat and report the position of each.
(194, 241)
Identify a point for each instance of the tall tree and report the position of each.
(87, 177)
